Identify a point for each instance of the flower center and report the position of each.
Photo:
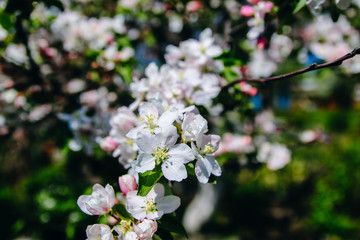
(125, 226)
(150, 206)
(150, 118)
(208, 149)
(161, 154)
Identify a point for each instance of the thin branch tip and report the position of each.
(311, 67)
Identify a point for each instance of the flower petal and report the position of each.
(202, 170)
(181, 153)
(168, 204)
(174, 171)
(144, 162)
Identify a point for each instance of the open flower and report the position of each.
(99, 202)
(160, 149)
(193, 126)
(99, 231)
(153, 206)
(126, 231)
(204, 150)
(146, 229)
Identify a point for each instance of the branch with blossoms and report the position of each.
(311, 67)
(160, 138)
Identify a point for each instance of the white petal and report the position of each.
(144, 162)
(147, 142)
(181, 153)
(215, 167)
(168, 204)
(157, 192)
(213, 51)
(81, 203)
(167, 118)
(202, 170)
(174, 171)
(147, 109)
(155, 215)
(151, 70)
(111, 194)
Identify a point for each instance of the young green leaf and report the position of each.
(299, 6)
(148, 179)
(119, 209)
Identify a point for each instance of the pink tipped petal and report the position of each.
(127, 183)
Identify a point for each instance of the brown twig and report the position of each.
(311, 67)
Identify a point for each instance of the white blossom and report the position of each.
(99, 202)
(153, 206)
(204, 150)
(99, 232)
(160, 149)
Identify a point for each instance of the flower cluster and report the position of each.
(142, 211)
(327, 40)
(190, 75)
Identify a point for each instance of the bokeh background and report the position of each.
(60, 81)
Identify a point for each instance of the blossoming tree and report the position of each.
(201, 60)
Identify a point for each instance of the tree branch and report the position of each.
(311, 67)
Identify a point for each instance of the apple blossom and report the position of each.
(204, 150)
(99, 202)
(99, 232)
(160, 149)
(275, 155)
(126, 231)
(145, 229)
(193, 126)
(153, 206)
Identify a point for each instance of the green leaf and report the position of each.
(125, 72)
(148, 179)
(156, 237)
(5, 21)
(171, 224)
(299, 6)
(120, 210)
(190, 168)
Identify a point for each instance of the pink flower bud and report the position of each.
(108, 144)
(194, 6)
(254, 2)
(247, 11)
(261, 42)
(127, 183)
(269, 6)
